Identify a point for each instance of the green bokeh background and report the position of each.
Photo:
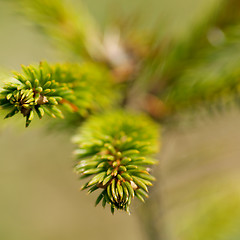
(39, 196)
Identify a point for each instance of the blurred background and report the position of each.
(197, 194)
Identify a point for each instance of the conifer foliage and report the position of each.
(52, 88)
(123, 68)
(115, 150)
(35, 91)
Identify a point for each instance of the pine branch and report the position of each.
(169, 58)
(74, 29)
(207, 35)
(49, 89)
(114, 150)
(214, 81)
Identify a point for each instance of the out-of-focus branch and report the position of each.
(73, 28)
(212, 82)
(207, 35)
(166, 68)
(168, 59)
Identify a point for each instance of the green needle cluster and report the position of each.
(114, 152)
(35, 90)
(79, 89)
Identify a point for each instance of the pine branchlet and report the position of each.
(51, 89)
(114, 151)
